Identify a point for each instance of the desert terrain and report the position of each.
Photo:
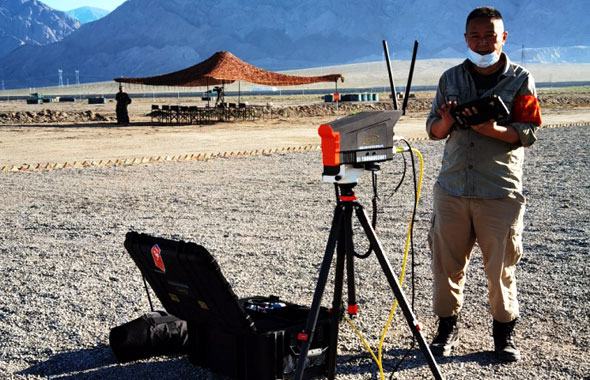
(59, 133)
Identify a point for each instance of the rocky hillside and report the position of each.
(147, 37)
(87, 14)
(30, 22)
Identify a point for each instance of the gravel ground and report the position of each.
(66, 278)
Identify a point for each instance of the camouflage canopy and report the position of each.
(223, 68)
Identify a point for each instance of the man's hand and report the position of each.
(490, 128)
(486, 128)
(442, 128)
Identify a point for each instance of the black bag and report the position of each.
(253, 338)
(153, 334)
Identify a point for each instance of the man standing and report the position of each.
(123, 100)
(478, 193)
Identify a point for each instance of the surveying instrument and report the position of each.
(351, 146)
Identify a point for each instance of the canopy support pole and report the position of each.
(336, 94)
(208, 94)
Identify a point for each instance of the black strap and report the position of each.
(147, 290)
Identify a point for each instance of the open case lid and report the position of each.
(188, 282)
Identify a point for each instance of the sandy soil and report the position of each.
(68, 132)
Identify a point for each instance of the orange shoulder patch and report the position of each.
(526, 110)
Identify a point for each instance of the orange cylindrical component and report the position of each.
(330, 145)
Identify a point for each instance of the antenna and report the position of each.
(410, 75)
(78, 77)
(522, 61)
(61, 79)
(391, 84)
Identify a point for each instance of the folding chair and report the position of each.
(156, 113)
(165, 113)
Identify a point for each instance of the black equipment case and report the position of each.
(247, 339)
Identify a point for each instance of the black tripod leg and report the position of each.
(307, 335)
(337, 300)
(397, 291)
(352, 306)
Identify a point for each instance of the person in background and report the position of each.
(478, 193)
(123, 100)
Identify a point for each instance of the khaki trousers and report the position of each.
(496, 225)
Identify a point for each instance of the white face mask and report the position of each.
(483, 61)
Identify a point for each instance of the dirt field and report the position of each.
(69, 132)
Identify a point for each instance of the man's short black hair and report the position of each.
(483, 12)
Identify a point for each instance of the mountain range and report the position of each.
(87, 14)
(148, 37)
(30, 22)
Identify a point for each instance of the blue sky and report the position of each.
(66, 5)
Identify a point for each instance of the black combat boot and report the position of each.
(505, 347)
(447, 336)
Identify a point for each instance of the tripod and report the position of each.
(340, 239)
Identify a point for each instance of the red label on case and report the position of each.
(157, 256)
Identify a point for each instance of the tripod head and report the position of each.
(345, 192)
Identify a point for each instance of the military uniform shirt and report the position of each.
(478, 166)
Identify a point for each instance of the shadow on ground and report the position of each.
(412, 359)
(100, 363)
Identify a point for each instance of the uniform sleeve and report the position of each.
(526, 113)
(437, 102)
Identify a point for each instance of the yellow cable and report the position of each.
(405, 261)
(358, 333)
(379, 360)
